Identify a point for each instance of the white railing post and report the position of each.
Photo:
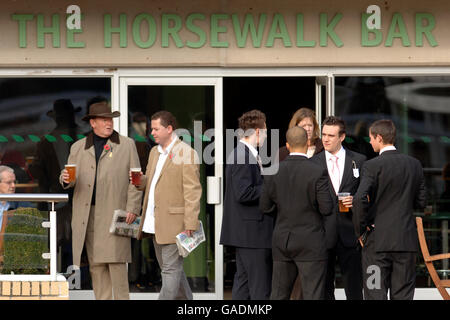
(53, 241)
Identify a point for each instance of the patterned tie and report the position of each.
(336, 176)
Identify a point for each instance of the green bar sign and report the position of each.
(219, 30)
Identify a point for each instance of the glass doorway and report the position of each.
(196, 103)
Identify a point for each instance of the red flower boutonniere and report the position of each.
(171, 156)
(108, 148)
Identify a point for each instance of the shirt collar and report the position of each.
(252, 148)
(388, 148)
(339, 154)
(298, 154)
(4, 207)
(90, 139)
(169, 147)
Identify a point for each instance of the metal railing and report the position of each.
(51, 224)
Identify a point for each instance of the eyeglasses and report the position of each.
(10, 182)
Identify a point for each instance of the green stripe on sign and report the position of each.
(34, 138)
(187, 138)
(349, 140)
(139, 138)
(66, 138)
(3, 139)
(50, 138)
(367, 139)
(17, 138)
(80, 136)
(426, 139)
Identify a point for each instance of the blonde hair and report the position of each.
(301, 114)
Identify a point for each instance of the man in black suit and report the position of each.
(343, 168)
(299, 195)
(392, 186)
(244, 226)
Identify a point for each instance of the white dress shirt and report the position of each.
(254, 153)
(388, 148)
(298, 154)
(149, 222)
(335, 177)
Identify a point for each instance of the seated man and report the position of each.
(7, 186)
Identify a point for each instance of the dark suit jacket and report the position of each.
(340, 224)
(395, 185)
(243, 224)
(299, 195)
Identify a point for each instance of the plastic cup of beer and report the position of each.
(341, 196)
(72, 171)
(136, 176)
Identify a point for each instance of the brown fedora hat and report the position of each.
(100, 109)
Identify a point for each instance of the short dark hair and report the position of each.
(253, 119)
(297, 137)
(385, 128)
(166, 118)
(335, 121)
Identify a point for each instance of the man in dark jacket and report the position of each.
(392, 186)
(244, 226)
(299, 195)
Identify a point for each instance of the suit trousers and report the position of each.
(349, 260)
(108, 279)
(312, 276)
(383, 271)
(174, 282)
(253, 277)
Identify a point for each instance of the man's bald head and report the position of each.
(297, 139)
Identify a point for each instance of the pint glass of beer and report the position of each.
(341, 196)
(136, 176)
(72, 171)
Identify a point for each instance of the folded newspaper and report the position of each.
(187, 244)
(121, 228)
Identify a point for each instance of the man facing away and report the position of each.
(299, 195)
(244, 226)
(103, 160)
(343, 167)
(171, 202)
(392, 186)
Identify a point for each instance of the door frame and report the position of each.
(216, 82)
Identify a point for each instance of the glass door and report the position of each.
(197, 105)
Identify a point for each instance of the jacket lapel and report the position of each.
(168, 161)
(348, 168)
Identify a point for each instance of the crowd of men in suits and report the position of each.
(289, 224)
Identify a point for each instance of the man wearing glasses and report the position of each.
(7, 186)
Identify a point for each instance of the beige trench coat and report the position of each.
(113, 191)
(177, 192)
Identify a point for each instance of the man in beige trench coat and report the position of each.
(103, 161)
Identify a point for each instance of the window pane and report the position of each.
(36, 133)
(420, 109)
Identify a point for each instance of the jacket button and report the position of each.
(89, 185)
